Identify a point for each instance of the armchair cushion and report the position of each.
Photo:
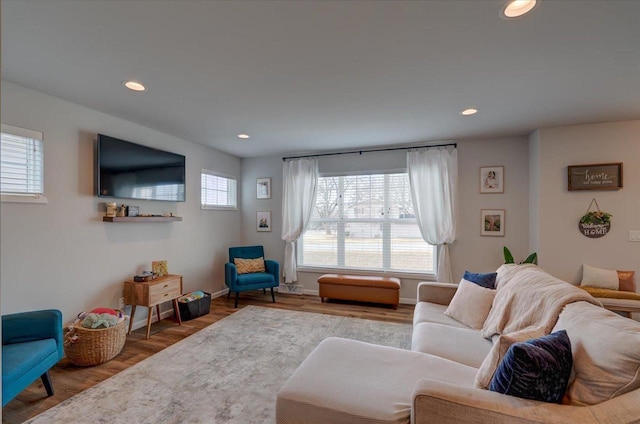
(248, 266)
(19, 358)
(254, 278)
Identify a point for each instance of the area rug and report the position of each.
(229, 372)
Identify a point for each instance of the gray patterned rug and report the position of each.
(229, 372)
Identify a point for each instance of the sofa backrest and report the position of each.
(245, 252)
(606, 353)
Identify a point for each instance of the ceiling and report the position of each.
(313, 76)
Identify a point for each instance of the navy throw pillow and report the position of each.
(484, 280)
(537, 369)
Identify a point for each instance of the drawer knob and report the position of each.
(166, 294)
(166, 285)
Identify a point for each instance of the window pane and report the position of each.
(363, 245)
(320, 245)
(328, 198)
(21, 161)
(408, 249)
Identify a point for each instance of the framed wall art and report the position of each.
(263, 221)
(492, 179)
(492, 222)
(598, 176)
(263, 188)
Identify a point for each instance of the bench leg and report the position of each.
(46, 381)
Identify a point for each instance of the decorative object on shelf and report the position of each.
(598, 176)
(263, 221)
(492, 179)
(492, 221)
(160, 268)
(145, 276)
(263, 188)
(508, 257)
(133, 210)
(112, 209)
(595, 224)
(122, 211)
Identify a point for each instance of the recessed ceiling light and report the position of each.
(134, 85)
(470, 111)
(243, 136)
(516, 8)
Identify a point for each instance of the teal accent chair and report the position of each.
(259, 280)
(31, 345)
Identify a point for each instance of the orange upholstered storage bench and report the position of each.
(361, 288)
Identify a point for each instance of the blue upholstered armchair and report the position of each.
(31, 345)
(253, 281)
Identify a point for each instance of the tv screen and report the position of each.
(131, 171)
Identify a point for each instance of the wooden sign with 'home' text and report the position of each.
(599, 176)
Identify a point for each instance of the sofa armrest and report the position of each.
(230, 274)
(440, 293)
(447, 403)
(33, 325)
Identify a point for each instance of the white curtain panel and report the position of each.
(433, 176)
(300, 183)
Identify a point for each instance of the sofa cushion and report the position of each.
(334, 383)
(606, 353)
(499, 349)
(537, 369)
(599, 277)
(483, 280)
(462, 345)
(433, 312)
(471, 304)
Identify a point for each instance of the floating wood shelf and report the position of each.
(141, 218)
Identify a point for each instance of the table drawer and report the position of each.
(164, 291)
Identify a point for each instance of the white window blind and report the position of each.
(218, 191)
(21, 162)
(365, 222)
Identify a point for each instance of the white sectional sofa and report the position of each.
(347, 381)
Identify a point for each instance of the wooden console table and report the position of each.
(153, 293)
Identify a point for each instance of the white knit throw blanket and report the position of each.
(527, 296)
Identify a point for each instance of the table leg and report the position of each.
(158, 312)
(149, 315)
(133, 312)
(176, 311)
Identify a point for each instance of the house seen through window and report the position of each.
(365, 222)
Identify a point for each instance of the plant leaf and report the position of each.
(531, 259)
(508, 257)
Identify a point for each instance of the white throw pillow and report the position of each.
(499, 349)
(598, 277)
(606, 353)
(471, 304)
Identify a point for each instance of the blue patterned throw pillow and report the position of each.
(483, 280)
(536, 369)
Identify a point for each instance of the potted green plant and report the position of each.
(508, 258)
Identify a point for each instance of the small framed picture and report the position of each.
(263, 221)
(263, 188)
(492, 179)
(492, 222)
(133, 210)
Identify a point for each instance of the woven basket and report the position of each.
(94, 346)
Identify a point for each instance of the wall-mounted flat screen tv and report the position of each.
(131, 171)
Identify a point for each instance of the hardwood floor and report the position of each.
(69, 380)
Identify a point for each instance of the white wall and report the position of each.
(469, 252)
(561, 247)
(61, 255)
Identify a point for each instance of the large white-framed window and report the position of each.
(21, 165)
(365, 222)
(218, 191)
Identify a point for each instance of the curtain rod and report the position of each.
(370, 150)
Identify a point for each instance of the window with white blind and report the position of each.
(21, 164)
(218, 191)
(365, 222)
